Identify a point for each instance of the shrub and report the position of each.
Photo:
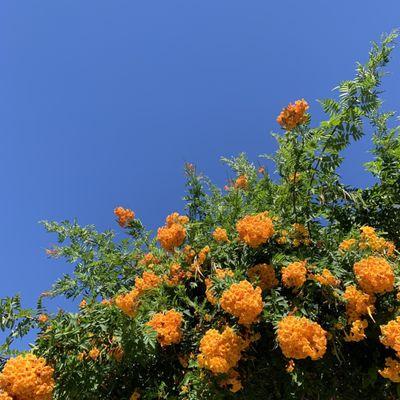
(278, 287)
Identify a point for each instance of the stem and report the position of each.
(296, 168)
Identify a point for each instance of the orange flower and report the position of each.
(293, 115)
(106, 302)
(43, 318)
(176, 274)
(358, 303)
(201, 258)
(265, 274)
(27, 378)
(300, 235)
(148, 259)
(294, 275)
(125, 215)
(357, 331)
(243, 301)
(301, 338)
(117, 354)
(135, 395)
(283, 238)
(391, 335)
(220, 235)
(175, 218)
(94, 353)
(326, 278)
(220, 352)
(347, 245)
(290, 366)
(232, 381)
(241, 182)
(148, 281)
(391, 370)
(83, 304)
(370, 240)
(128, 302)
(5, 396)
(168, 327)
(189, 254)
(374, 275)
(255, 230)
(173, 233)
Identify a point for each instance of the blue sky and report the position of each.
(102, 102)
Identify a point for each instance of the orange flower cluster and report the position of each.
(173, 233)
(125, 215)
(358, 303)
(391, 335)
(293, 115)
(300, 235)
(175, 218)
(347, 245)
(391, 370)
(220, 352)
(135, 395)
(128, 302)
(176, 274)
(220, 274)
(357, 331)
(301, 338)
(147, 281)
(326, 278)
(369, 239)
(149, 259)
(232, 381)
(5, 396)
(290, 366)
(94, 353)
(295, 274)
(168, 327)
(243, 301)
(117, 353)
(255, 230)
(220, 235)
(189, 253)
(27, 378)
(374, 275)
(283, 238)
(43, 318)
(241, 182)
(201, 258)
(264, 275)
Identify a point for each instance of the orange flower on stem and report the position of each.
(125, 215)
(293, 115)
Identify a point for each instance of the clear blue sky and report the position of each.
(102, 102)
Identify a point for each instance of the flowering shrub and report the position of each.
(276, 287)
